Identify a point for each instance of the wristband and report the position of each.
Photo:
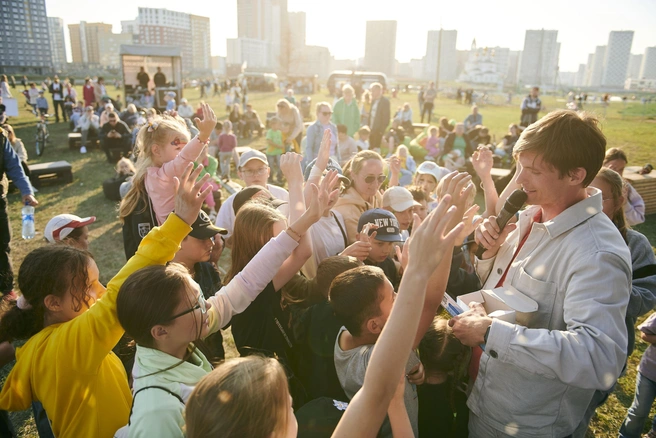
(291, 230)
(206, 142)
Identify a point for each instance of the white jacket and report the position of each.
(537, 377)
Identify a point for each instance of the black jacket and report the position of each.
(382, 118)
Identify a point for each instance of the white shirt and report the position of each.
(327, 241)
(226, 216)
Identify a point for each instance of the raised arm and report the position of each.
(482, 161)
(319, 167)
(290, 164)
(367, 409)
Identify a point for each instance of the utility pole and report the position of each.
(439, 56)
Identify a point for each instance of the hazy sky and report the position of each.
(340, 24)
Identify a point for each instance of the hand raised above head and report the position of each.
(188, 195)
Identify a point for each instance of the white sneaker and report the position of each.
(83, 150)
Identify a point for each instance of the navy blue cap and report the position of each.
(388, 227)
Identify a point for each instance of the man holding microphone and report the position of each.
(537, 376)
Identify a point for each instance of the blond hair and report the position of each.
(158, 131)
(242, 397)
(618, 188)
(355, 164)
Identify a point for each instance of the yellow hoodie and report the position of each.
(70, 367)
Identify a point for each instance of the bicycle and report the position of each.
(42, 134)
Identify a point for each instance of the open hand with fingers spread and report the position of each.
(321, 195)
(188, 195)
(324, 150)
(483, 160)
(205, 126)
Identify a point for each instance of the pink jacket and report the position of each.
(159, 180)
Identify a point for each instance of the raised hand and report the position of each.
(362, 247)
(324, 150)
(433, 238)
(290, 164)
(320, 199)
(205, 126)
(459, 187)
(491, 237)
(482, 161)
(471, 222)
(188, 195)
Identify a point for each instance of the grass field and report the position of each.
(624, 126)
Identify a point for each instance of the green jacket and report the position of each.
(156, 412)
(348, 115)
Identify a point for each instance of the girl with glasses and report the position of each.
(365, 171)
(164, 311)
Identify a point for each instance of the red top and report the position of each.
(227, 142)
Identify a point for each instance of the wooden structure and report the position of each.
(645, 185)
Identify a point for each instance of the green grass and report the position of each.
(624, 126)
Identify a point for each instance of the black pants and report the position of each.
(6, 272)
(56, 104)
(428, 108)
(115, 147)
(375, 139)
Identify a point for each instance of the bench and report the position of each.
(54, 172)
(75, 140)
(645, 185)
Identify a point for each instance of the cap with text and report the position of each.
(388, 227)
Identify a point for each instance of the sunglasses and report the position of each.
(380, 178)
(326, 113)
(200, 304)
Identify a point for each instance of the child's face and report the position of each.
(275, 126)
(168, 151)
(82, 242)
(421, 211)
(403, 153)
(364, 136)
(95, 291)
(427, 183)
(123, 167)
(342, 136)
(404, 218)
(192, 325)
(380, 250)
(433, 133)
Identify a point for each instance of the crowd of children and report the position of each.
(332, 293)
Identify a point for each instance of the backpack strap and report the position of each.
(149, 387)
(340, 229)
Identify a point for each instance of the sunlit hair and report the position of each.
(158, 131)
(348, 87)
(227, 127)
(321, 105)
(618, 189)
(566, 140)
(242, 397)
(613, 154)
(355, 164)
(285, 103)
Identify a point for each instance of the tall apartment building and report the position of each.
(448, 57)
(296, 37)
(635, 61)
(57, 41)
(254, 52)
(25, 44)
(266, 20)
(130, 26)
(539, 60)
(596, 67)
(648, 67)
(85, 41)
(191, 33)
(380, 46)
(616, 61)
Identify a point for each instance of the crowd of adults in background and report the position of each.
(377, 202)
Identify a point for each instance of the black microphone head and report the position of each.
(515, 201)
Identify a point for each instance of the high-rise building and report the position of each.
(191, 33)
(635, 61)
(25, 44)
(254, 52)
(296, 37)
(513, 66)
(266, 20)
(57, 41)
(448, 56)
(580, 76)
(616, 61)
(648, 67)
(539, 60)
(85, 41)
(109, 47)
(380, 47)
(130, 26)
(596, 66)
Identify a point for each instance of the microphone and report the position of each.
(512, 205)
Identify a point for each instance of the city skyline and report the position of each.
(491, 24)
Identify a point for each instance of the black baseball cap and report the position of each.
(247, 194)
(388, 227)
(203, 228)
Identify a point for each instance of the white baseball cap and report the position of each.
(399, 199)
(252, 154)
(62, 225)
(430, 168)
